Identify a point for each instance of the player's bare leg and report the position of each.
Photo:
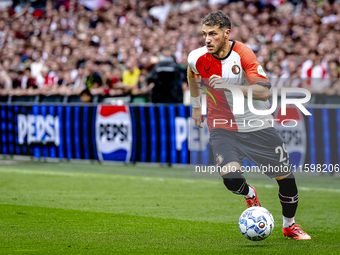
(289, 198)
(236, 183)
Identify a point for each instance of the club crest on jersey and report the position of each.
(219, 159)
(235, 69)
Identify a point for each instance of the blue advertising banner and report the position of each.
(48, 131)
(153, 133)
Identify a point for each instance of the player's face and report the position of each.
(214, 38)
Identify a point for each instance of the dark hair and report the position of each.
(217, 18)
(314, 52)
(86, 92)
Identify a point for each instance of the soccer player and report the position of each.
(235, 137)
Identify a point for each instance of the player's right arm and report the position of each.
(193, 79)
(195, 97)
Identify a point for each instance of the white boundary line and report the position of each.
(94, 175)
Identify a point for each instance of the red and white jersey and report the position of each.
(316, 75)
(51, 79)
(239, 67)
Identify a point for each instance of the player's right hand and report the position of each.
(216, 80)
(197, 116)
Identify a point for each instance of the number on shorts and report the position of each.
(281, 150)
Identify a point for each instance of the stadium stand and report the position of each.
(59, 48)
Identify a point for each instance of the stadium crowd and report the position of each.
(66, 48)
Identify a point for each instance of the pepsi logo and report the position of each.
(38, 129)
(114, 133)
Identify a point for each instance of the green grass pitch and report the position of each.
(84, 208)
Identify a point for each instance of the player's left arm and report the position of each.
(254, 72)
(260, 92)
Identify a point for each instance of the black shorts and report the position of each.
(264, 148)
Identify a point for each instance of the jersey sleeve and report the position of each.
(252, 68)
(192, 59)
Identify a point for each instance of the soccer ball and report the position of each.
(256, 223)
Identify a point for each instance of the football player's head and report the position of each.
(216, 30)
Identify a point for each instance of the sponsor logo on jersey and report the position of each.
(113, 133)
(207, 70)
(260, 71)
(38, 129)
(293, 137)
(235, 69)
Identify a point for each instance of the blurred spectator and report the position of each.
(79, 80)
(116, 40)
(42, 77)
(28, 82)
(291, 76)
(131, 75)
(117, 87)
(86, 96)
(93, 79)
(166, 75)
(5, 82)
(276, 78)
(334, 75)
(314, 73)
(37, 65)
(65, 87)
(143, 90)
(285, 7)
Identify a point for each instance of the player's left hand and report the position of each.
(197, 116)
(216, 80)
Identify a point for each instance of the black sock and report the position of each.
(288, 195)
(236, 183)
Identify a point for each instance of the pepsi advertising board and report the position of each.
(49, 131)
(113, 133)
(153, 133)
(38, 129)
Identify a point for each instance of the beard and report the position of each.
(220, 46)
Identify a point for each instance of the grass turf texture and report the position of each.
(78, 208)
